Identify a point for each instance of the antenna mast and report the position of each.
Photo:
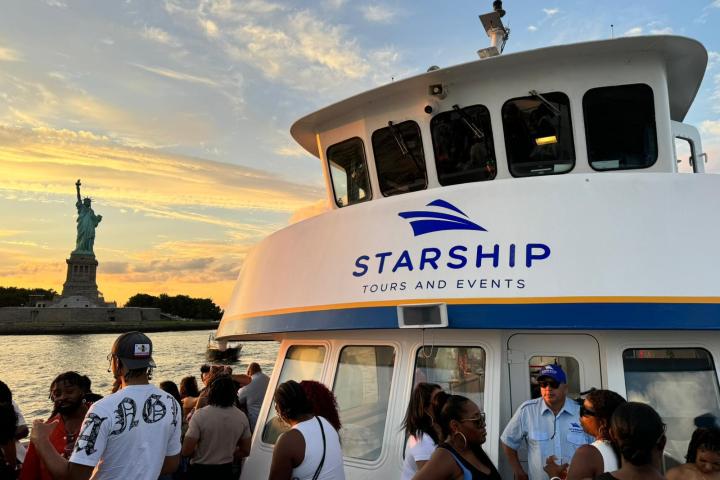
(495, 29)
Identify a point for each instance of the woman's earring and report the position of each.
(457, 432)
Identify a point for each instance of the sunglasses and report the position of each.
(586, 412)
(549, 383)
(479, 421)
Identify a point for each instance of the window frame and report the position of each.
(387, 430)
(367, 170)
(489, 134)
(572, 133)
(666, 345)
(282, 353)
(655, 130)
(422, 149)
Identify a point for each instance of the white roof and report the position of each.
(685, 61)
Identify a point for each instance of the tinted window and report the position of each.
(362, 387)
(399, 158)
(681, 384)
(349, 173)
(458, 370)
(538, 135)
(620, 127)
(463, 145)
(302, 362)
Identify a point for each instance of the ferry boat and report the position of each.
(488, 218)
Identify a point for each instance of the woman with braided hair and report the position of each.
(461, 455)
(639, 434)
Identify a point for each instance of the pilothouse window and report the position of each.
(349, 173)
(620, 127)
(399, 158)
(463, 145)
(538, 134)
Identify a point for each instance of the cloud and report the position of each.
(532, 28)
(291, 151)
(46, 161)
(313, 210)
(633, 32)
(174, 75)
(551, 11)
(160, 36)
(713, 59)
(210, 27)
(716, 4)
(9, 55)
(661, 31)
(378, 13)
(56, 3)
(710, 127)
(299, 49)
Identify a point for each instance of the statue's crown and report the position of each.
(87, 199)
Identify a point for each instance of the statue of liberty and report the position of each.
(87, 221)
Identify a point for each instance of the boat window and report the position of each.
(399, 158)
(302, 362)
(569, 365)
(349, 173)
(681, 384)
(684, 153)
(463, 145)
(538, 135)
(362, 387)
(458, 370)
(620, 127)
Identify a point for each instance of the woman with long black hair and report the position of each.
(423, 433)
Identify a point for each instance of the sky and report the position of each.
(175, 115)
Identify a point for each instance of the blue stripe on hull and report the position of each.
(584, 316)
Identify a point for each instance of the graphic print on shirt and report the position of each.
(89, 433)
(126, 410)
(173, 408)
(154, 409)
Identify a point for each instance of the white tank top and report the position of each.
(610, 460)
(333, 467)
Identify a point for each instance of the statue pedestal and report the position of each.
(81, 273)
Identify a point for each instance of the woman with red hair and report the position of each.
(323, 402)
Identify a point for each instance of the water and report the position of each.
(28, 363)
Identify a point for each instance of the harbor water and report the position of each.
(28, 363)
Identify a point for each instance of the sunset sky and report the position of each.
(176, 114)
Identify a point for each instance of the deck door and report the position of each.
(578, 354)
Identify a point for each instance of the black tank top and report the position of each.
(470, 468)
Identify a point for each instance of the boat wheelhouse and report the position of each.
(486, 219)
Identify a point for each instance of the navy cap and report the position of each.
(554, 372)
(134, 349)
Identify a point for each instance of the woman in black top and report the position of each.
(461, 455)
(639, 434)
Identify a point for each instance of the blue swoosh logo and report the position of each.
(429, 221)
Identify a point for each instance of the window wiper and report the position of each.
(469, 123)
(398, 139)
(553, 108)
(404, 150)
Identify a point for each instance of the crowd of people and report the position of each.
(140, 431)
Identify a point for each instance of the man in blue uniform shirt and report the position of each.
(550, 425)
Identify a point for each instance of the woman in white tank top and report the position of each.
(310, 450)
(591, 460)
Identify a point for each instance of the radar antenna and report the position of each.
(495, 29)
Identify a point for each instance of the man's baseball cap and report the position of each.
(554, 372)
(134, 349)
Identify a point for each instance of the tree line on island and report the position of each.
(180, 305)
